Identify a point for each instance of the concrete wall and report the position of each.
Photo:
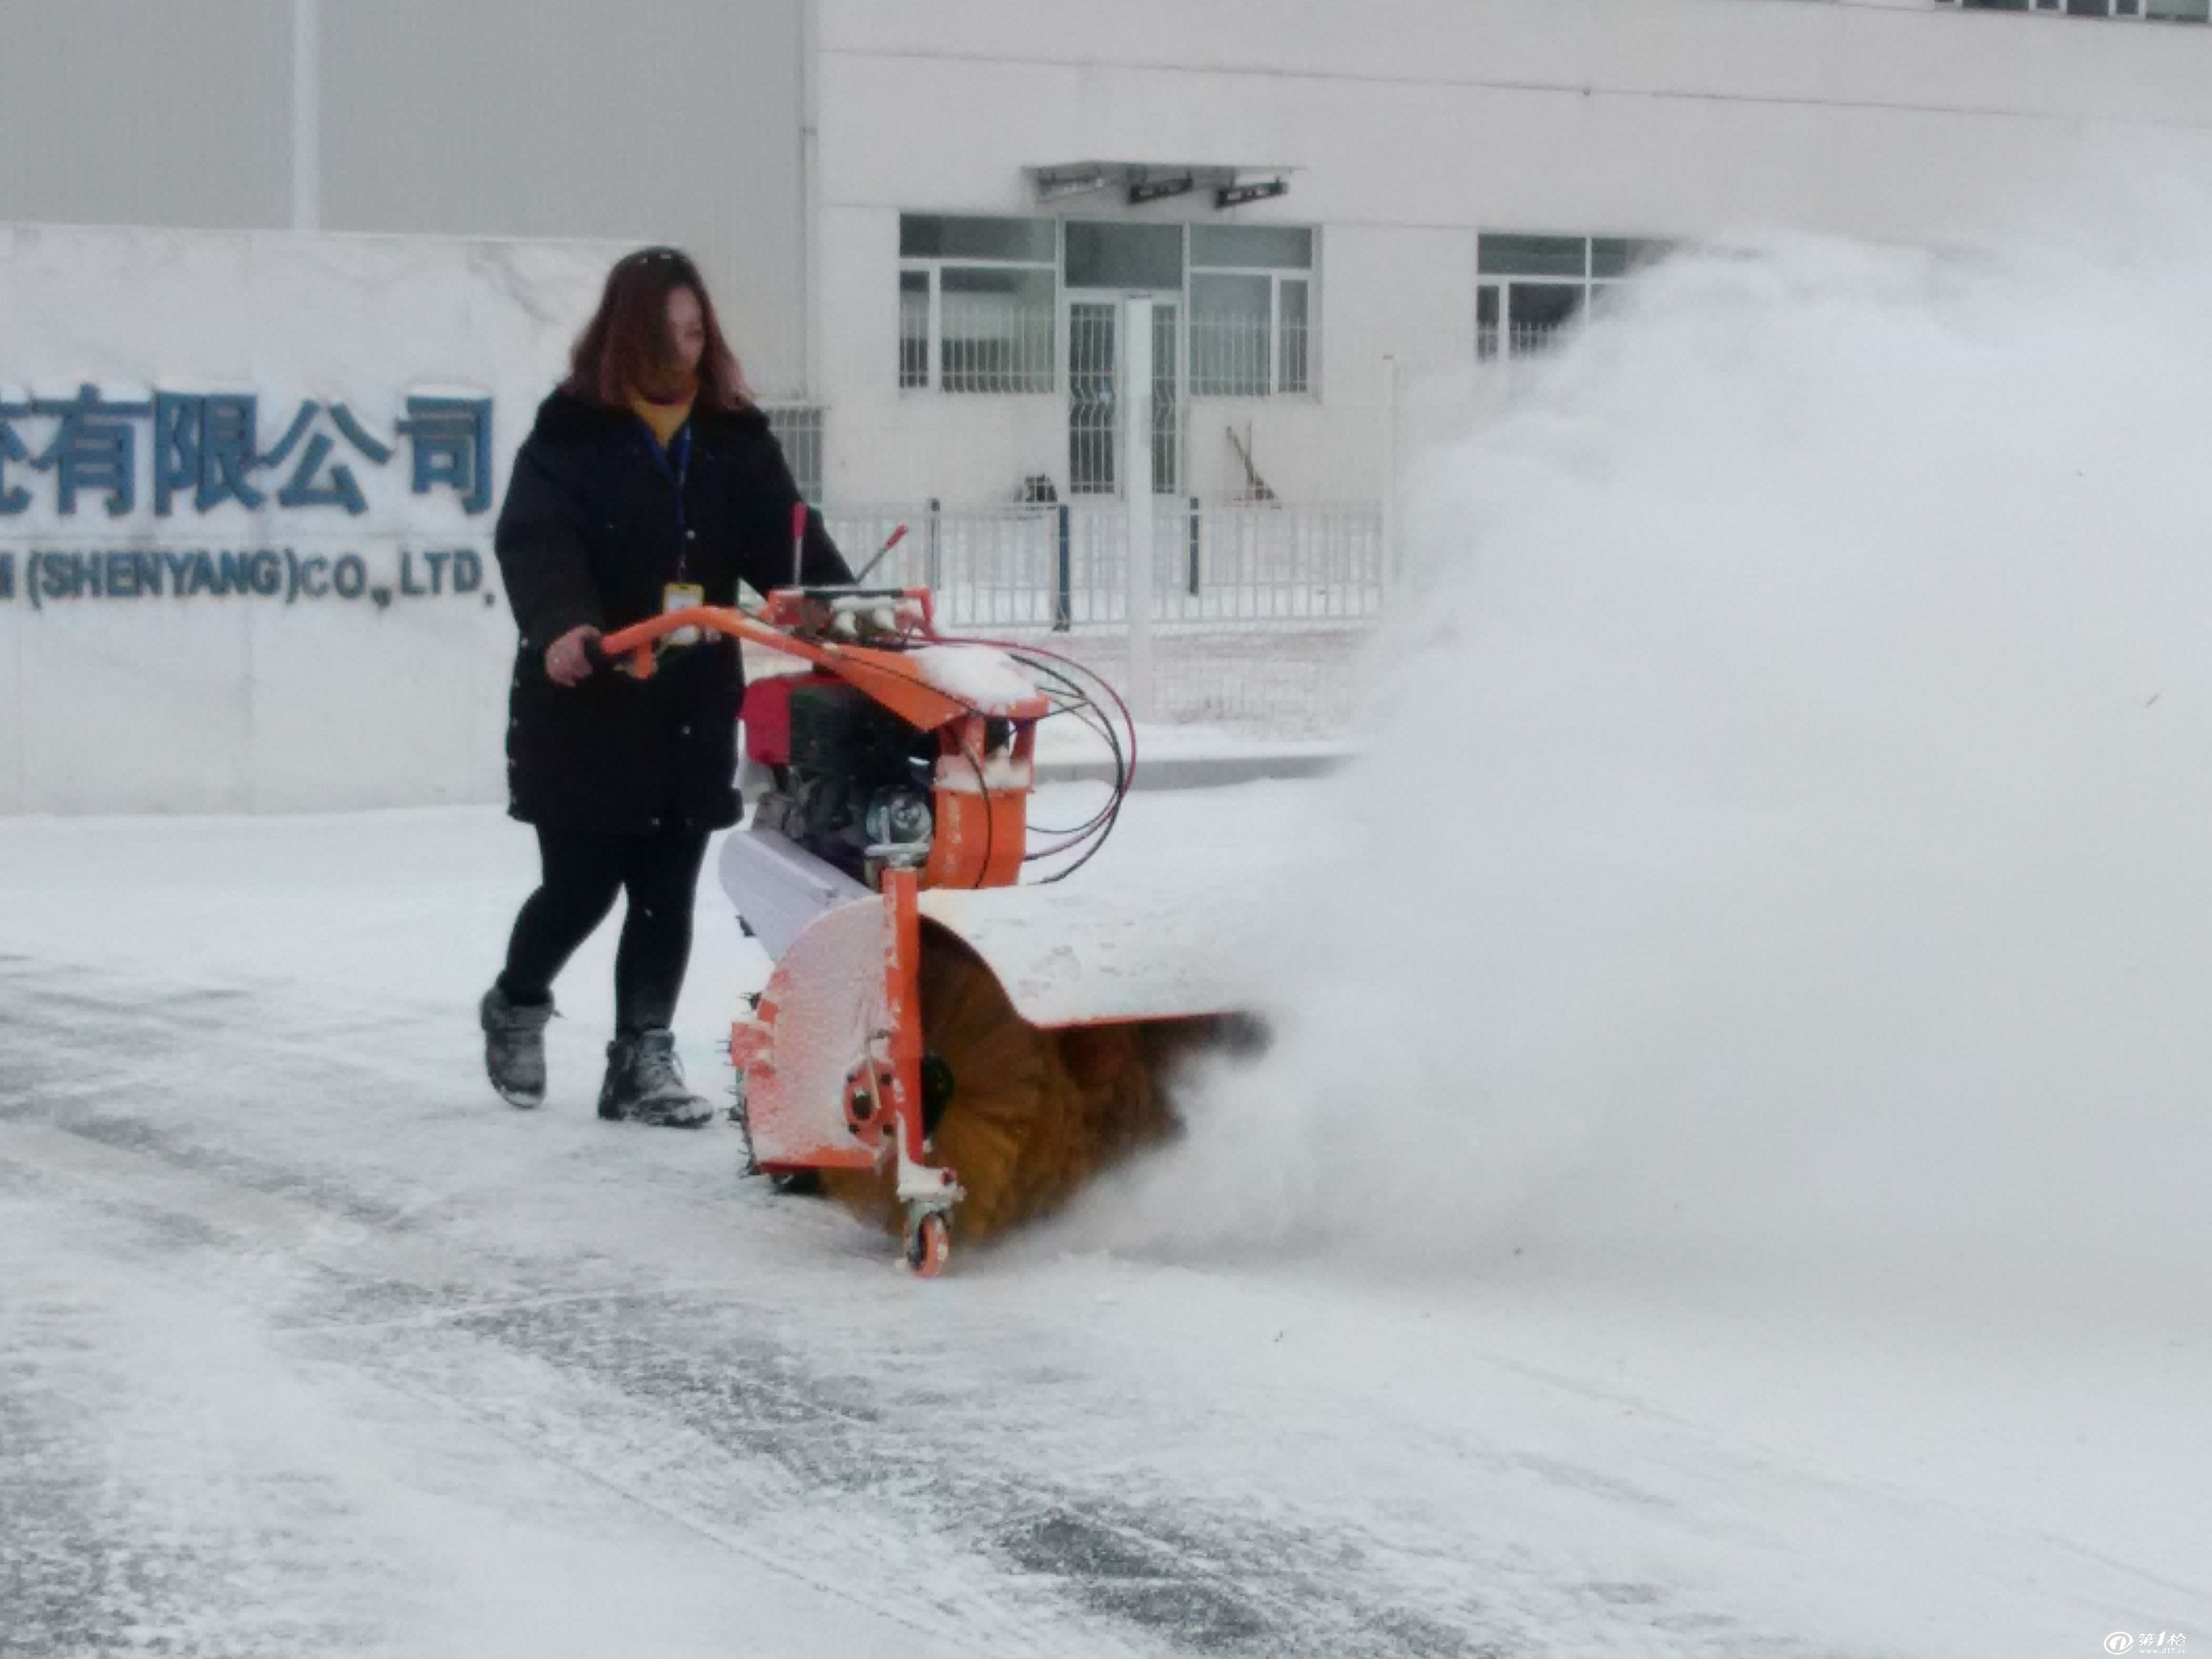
(638, 120)
(1417, 124)
(660, 122)
(134, 111)
(200, 697)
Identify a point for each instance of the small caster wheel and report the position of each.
(928, 1244)
(797, 1184)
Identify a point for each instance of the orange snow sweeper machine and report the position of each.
(954, 1036)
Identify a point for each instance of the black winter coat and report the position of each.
(591, 533)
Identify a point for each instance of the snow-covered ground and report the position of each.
(309, 1344)
(1729, 1178)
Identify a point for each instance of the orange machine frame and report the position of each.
(982, 831)
(981, 800)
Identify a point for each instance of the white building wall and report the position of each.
(674, 121)
(305, 699)
(888, 446)
(638, 120)
(1414, 124)
(135, 112)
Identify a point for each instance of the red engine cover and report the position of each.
(767, 716)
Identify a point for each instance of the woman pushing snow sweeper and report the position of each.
(650, 482)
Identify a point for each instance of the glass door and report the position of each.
(1102, 263)
(1093, 370)
(1167, 397)
(1094, 405)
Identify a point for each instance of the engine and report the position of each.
(857, 779)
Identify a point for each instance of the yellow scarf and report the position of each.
(664, 419)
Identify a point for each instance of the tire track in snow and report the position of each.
(117, 1535)
(680, 1398)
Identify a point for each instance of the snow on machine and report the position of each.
(952, 1037)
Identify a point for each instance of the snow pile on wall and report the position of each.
(1788, 824)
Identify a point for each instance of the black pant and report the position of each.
(584, 870)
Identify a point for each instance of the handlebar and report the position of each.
(901, 679)
(636, 642)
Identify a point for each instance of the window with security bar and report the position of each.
(1530, 289)
(798, 429)
(2146, 11)
(978, 299)
(1251, 310)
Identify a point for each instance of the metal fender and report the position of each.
(1095, 956)
(823, 1007)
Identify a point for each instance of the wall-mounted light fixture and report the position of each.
(1053, 183)
(1156, 189)
(1230, 195)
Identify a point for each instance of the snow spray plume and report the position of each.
(1786, 834)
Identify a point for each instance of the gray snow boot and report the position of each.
(645, 1084)
(514, 1047)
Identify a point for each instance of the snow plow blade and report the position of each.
(1070, 955)
(954, 1032)
(1050, 1029)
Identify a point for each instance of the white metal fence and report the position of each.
(1253, 612)
(1063, 566)
(1281, 682)
(1260, 610)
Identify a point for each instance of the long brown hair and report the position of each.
(625, 347)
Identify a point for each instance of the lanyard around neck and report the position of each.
(675, 464)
